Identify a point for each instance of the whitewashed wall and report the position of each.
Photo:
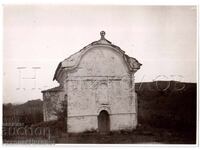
(101, 81)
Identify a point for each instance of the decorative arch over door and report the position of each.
(103, 122)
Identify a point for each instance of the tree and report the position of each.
(62, 115)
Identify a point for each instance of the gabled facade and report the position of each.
(97, 83)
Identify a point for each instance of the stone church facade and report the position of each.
(97, 84)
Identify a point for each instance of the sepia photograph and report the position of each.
(100, 74)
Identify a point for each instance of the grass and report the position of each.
(143, 135)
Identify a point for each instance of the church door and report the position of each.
(103, 122)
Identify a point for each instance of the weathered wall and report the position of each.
(51, 103)
(82, 123)
(101, 61)
(123, 121)
(101, 82)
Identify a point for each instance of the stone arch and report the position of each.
(106, 108)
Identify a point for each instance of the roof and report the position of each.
(55, 89)
(72, 62)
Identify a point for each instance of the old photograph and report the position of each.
(99, 74)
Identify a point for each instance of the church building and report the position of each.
(97, 84)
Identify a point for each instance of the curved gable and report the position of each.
(101, 60)
(100, 56)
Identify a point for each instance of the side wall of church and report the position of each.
(51, 104)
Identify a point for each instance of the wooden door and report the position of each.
(103, 122)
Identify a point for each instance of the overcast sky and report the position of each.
(163, 39)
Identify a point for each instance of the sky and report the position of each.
(37, 37)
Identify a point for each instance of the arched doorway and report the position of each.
(104, 122)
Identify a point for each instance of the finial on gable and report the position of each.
(102, 33)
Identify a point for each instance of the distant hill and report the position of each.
(29, 113)
(167, 104)
(30, 106)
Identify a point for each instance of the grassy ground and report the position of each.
(142, 135)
